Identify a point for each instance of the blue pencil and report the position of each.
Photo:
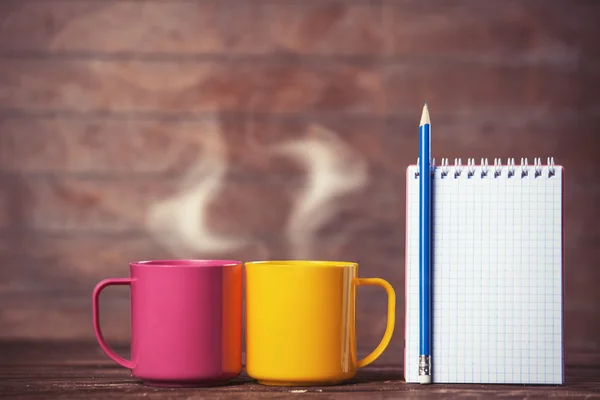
(425, 247)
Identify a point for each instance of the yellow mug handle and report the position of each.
(391, 318)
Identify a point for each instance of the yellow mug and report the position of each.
(300, 322)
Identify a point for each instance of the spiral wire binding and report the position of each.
(537, 167)
(444, 167)
(550, 166)
(511, 167)
(457, 167)
(524, 169)
(470, 167)
(484, 167)
(497, 168)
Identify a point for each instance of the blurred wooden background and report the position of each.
(272, 129)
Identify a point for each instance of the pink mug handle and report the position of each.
(96, 310)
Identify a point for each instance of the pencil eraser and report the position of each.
(424, 379)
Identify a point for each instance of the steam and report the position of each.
(181, 221)
(333, 170)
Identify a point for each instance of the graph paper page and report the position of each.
(496, 277)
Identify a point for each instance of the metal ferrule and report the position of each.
(424, 365)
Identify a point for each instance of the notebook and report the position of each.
(497, 273)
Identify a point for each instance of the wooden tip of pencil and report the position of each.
(425, 116)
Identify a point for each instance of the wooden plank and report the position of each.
(501, 134)
(466, 88)
(64, 316)
(251, 147)
(287, 85)
(325, 27)
(188, 28)
(180, 27)
(126, 203)
(536, 31)
(278, 85)
(122, 204)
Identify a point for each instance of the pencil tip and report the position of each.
(425, 116)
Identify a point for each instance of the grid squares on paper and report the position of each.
(496, 277)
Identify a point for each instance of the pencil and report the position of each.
(424, 247)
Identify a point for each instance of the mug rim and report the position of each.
(304, 263)
(185, 263)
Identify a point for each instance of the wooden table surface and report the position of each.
(46, 370)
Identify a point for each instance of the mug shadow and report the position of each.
(238, 381)
(373, 376)
(362, 377)
(241, 382)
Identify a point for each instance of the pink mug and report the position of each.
(186, 321)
